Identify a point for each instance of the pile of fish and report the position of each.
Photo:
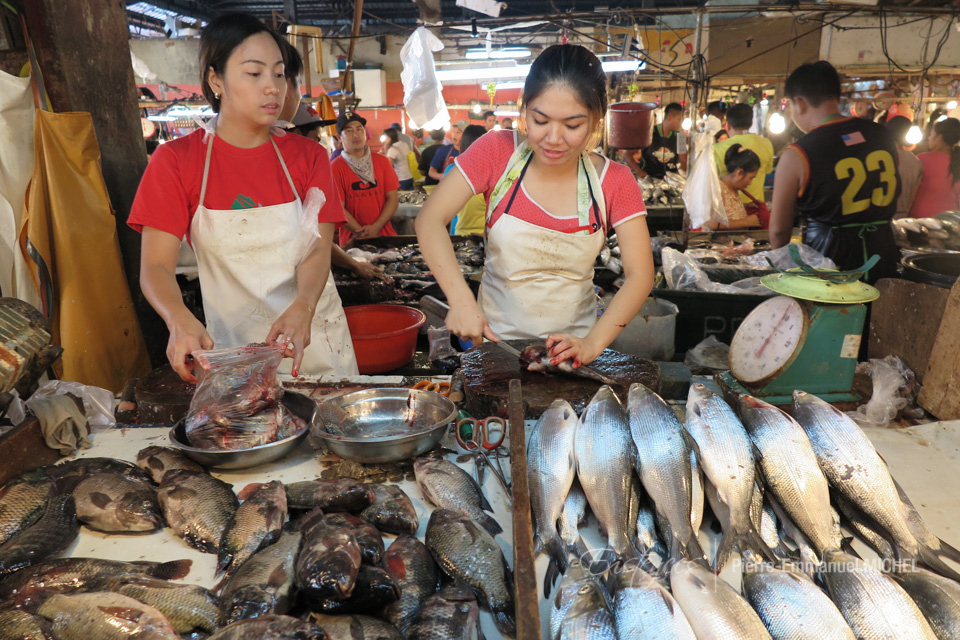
(663, 192)
(301, 560)
(773, 483)
(940, 232)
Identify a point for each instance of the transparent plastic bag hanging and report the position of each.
(309, 228)
(893, 387)
(422, 92)
(701, 195)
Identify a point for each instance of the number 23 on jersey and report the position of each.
(856, 170)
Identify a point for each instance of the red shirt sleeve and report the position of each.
(315, 157)
(622, 194)
(483, 163)
(161, 201)
(385, 173)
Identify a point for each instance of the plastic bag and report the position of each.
(309, 229)
(422, 92)
(683, 272)
(702, 195)
(710, 353)
(234, 385)
(893, 384)
(98, 404)
(782, 260)
(440, 346)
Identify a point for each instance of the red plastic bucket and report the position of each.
(630, 125)
(384, 335)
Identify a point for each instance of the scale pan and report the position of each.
(797, 284)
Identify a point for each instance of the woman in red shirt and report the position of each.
(939, 188)
(236, 193)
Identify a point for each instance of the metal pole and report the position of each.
(697, 68)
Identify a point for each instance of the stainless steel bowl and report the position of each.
(302, 406)
(383, 425)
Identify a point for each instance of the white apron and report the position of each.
(538, 281)
(248, 276)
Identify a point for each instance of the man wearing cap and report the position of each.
(308, 122)
(368, 184)
(446, 154)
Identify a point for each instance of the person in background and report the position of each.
(507, 123)
(426, 156)
(739, 119)
(236, 193)
(668, 149)
(406, 139)
(471, 218)
(446, 155)
(940, 185)
(721, 135)
(908, 166)
(741, 166)
(489, 120)
(551, 205)
(397, 151)
(367, 182)
(718, 110)
(841, 177)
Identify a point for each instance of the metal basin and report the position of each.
(383, 425)
(302, 406)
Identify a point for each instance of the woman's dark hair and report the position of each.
(392, 134)
(218, 40)
(292, 60)
(470, 135)
(949, 130)
(739, 157)
(573, 66)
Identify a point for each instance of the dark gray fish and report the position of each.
(864, 526)
(89, 466)
(47, 537)
(392, 510)
(450, 614)
(330, 495)
(537, 358)
(198, 507)
(20, 625)
(270, 627)
(367, 535)
(115, 503)
(409, 562)
(186, 606)
(373, 589)
(329, 558)
(158, 460)
(447, 486)
(255, 524)
(22, 501)
(468, 553)
(356, 627)
(104, 616)
(264, 584)
(937, 597)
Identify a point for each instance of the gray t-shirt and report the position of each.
(911, 171)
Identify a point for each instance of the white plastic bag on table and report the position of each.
(98, 404)
(701, 195)
(710, 353)
(782, 260)
(422, 92)
(893, 382)
(683, 272)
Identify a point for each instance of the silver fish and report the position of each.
(605, 457)
(105, 616)
(873, 604)
(573, 514)
(537, 358)
(450, 614)
(255, 524)
(576, 578)
(448, 486)
(270, 627)
(589, 616)
(644, 610)
(114, 503)
(713, 609)
(158, 460)
(409, 562)
(551, 466)
(697, 496)
(937, 597)
(22, 501)
(198, 507)
(185, 606)
(264, 584)
(645, 532)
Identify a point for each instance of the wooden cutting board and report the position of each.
(940, 394)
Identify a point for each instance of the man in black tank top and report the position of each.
(841, 177)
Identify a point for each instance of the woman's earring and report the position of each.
(216, 95)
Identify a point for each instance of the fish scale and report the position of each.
(644, 610)
(450, 614)
(104, 616)
(255, 524)
(198, 507)
(712, 607)
(409, 562)
(937, 597)
(264, 583)
(22, 500)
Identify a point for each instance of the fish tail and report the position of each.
(753, 540)
(505, 619)
(492, 526)
(691, 550)
(727, 543)
(846, 545)
(601, 562)
(930, 558)
(224, 558)
(172, 570)
(949, 551)
(558, 563)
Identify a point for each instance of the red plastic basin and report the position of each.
(384, 335)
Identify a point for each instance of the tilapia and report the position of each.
(537, 358)
(450, 614)
(663, 464)
(198, 507)
(330, 495)
(270, 627)
(573, 514)
(329, 558)
(937, 597)
(114, 503)
(713, 609)
(853, 466)
(367, 535)
(22, 501)
(551, 467)
(105, 616)
(373, 589)
(724, 450)
(20, 625)
(409, 562)
(447, 486)
(158, 460)
(791, 605)
(588, 616)
(644, 610)
(46, 537)
(605, 457)
(392, 510)
(791, 471)
(873, 604)
(264, 584)
(90, 466)
(470, 555)
(355, 627)
(254, 525)
(185, 606)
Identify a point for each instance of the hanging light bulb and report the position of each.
(686, 124)
(777, 123)
(914, 135)
(477, 108)
(951, 105)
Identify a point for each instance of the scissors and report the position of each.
(481, 437)
(443, 388)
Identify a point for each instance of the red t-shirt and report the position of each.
(486, 159)
(238, 179)
(362, 199)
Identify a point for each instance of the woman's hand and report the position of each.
(563, 346)
(187, 334)
(468, 322)
(292, 329)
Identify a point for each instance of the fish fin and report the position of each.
(484, 503)
(727, 542)
(752, 540)
(601, 563)
(691, 442)
(757, 454)
(492, 526)
(224, 558)
(249, 490)
(558, 563)
(692, 550)
(172, 570)
(930, 558)
(949, 551)
(846, 545)
(506, 622)
(537, 545)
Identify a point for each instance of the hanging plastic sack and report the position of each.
(422, 92)
(701, 195)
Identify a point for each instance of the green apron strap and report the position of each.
(864, 228)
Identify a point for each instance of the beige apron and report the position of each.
(248, 276)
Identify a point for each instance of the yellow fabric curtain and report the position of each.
(68, 237)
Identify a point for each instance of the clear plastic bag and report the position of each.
(422, 92)
(440, 346)
(782, 260)
(710, 354)
(701, 195)
(233, 386)
(98, 404)
(309, 229)
(893, 386)
(683, 272)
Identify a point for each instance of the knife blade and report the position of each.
(583, 370)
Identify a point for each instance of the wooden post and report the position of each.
(347, 83)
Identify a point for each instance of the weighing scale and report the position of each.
(807, 338)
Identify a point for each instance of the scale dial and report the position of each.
(768, 340)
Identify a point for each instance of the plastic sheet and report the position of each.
(309, 230)
(684, 273)
(98, 404)
(422, 92)
(782, 260)
(710, 353)
(894, 386)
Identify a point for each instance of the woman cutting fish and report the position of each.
(550, 205)
(237, 195)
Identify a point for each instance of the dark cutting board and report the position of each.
(488, 369)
